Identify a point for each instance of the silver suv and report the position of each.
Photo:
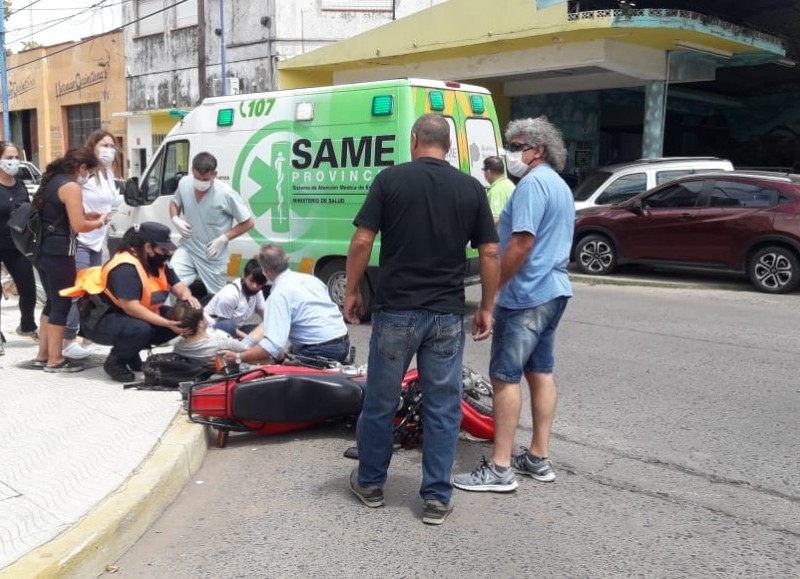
(616, 183)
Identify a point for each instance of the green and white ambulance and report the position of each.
(303, 160)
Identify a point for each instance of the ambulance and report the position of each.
(303, 161)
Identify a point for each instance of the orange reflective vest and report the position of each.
(94, 280)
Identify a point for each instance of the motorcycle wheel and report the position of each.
(478, 392)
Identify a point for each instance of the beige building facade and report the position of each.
(59, 94)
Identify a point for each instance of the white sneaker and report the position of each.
(76, 352)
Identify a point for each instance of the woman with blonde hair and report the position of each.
(99, 195)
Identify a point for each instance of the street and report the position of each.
(675, 448)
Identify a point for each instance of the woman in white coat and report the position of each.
(100, 194)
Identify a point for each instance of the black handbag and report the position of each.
(91, 310)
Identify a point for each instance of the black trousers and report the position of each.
(128, 336)
(21, 271)
(56, 273)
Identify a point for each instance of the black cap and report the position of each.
(156, 234)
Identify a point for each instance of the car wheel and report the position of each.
(596, 255)
(334, 276)
(774, 270)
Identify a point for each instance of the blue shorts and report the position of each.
(524, 340)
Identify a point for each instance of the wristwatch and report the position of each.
(238, 358)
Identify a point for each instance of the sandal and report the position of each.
(65, 366)
(37, 364)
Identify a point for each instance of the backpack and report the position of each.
(27, 229)
(168, 370)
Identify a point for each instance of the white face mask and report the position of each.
(107, 156)
(10, 166)
(82, 180)
(203, 185)
(515, 165)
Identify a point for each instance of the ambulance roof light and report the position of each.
(304, 112)
(224, 117)
(476, 102)
(436, 99)
(382, 105)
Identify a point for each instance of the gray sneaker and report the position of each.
(370, 496)
(436, 512)
(537, 468)
(485, 478)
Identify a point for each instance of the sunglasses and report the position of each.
(517, 147)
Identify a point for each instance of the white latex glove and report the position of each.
(216, 247)
(182, 226)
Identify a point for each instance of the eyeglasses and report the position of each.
(517, 147)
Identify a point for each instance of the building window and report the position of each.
(147, 24)
(358, 5)
(81, 121)
(157, 139)
(186, 14)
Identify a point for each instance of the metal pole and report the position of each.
(223, 72)
(667, 75)
(201, 50)
(4, 79)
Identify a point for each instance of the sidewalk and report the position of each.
(85, 466)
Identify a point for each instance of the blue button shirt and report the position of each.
(541, 205)
(299, 311)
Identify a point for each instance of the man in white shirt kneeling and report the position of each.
(232, 309)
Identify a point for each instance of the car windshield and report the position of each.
(589, 185)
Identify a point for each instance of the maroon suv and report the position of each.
(740, 221)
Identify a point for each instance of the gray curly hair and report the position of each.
(540, 131)
(273, 259)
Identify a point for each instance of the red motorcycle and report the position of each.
(275, 399)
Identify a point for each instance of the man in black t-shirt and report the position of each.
(426, 212)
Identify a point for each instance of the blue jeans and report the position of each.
(524, 340)
(230, 327)
(84, 257)
(338, 349)
(438, 342)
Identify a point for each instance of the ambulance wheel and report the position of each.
(334, 275)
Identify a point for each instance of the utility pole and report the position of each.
(4, 79)
(201, 49)
(223, 73)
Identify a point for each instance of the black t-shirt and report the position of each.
(10, 198)
(58, 237)
(123, 282)
(426, 212)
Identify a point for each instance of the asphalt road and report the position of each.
(676, 447)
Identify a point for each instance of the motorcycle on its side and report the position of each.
(274, 399)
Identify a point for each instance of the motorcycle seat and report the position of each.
(297, 398)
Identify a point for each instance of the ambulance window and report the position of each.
(171, 163)
(452, 154)
(482, 144)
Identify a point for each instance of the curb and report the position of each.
(627, 281)
(115, 524)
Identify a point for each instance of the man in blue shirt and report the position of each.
(536, 230)
(299, 311)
